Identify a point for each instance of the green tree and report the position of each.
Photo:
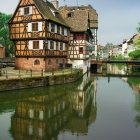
(138, 28)
(135, 54)
(4, 34)
(137, 41)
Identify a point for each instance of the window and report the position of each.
(62, 30)
(57, 45)
(52, 27)
(61, 46)
(51, 45)
(69, 15)
(37, 62)
(35, 27)
(58, 29)
(26, 11)
(81, 50)
(56, 14)
(35, 44)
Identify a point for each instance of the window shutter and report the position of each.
(30, 45)
(58, 45)
(60, 30)
(54, 45)
(29, 27)
(30, 10)
(64, 46)
(41, 44)
(65, 31)
(39, 26)
(22, 11)
(49, 44)
(49, 26)
(55, 29)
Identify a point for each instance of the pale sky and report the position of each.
(118, 19)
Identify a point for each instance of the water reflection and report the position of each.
(134, 83)
(71, 108)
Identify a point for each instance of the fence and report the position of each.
(11, 73)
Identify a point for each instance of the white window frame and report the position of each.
(31, 24)
(30, 47)
(22, 10)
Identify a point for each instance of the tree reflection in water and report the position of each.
(135, 85)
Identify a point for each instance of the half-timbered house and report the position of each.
(69, 12)
(80, 37)
(40, 34)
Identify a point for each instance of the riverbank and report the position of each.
(39, 81)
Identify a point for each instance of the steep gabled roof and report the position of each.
(78, 21)
(93, 15)
(47, 9)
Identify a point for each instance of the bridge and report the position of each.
(114, 75)
(135, 62)
(131, 64)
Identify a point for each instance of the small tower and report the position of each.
(55, 3)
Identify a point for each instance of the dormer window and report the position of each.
(69, 15)
(56, 14)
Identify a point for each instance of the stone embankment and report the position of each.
(20, 83)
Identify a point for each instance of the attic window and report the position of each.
(56, 14)
(69, 15)
(26, 11)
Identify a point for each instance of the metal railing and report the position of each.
(17, 74)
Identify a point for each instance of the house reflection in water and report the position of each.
(72, 108)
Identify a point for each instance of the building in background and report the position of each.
(129, 46)
(67, 11)
(82, 38)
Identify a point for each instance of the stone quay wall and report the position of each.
(20, 83)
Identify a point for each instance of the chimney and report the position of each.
(55, 3)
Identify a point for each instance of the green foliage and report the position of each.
(137, 41)
(4, 34)
(135, 54)
(138, 28)
(119, 57)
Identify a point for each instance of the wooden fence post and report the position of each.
(19, 74)
(6, 75)
(42, 73)
(31, 72)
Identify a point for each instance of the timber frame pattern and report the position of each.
(19, 34)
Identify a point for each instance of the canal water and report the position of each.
(93, 108)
